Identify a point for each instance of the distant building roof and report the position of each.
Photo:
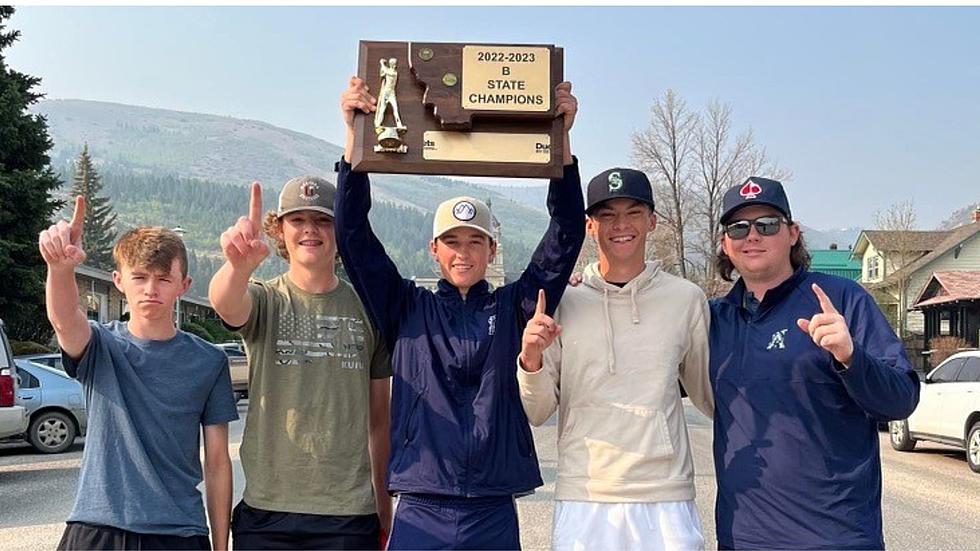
(947, 287)
(908, 241)
(835, 262)
(953, 238)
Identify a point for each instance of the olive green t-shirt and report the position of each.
(311, 360)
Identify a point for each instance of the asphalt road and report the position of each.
(929, 499)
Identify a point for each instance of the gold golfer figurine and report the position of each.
(389, 137)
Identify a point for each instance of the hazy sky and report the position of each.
(866, 106)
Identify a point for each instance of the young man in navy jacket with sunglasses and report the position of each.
(803, 367)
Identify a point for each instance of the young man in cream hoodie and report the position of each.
(609, 361)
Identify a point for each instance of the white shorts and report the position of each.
(585, 525)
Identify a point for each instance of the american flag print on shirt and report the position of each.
(314, 338)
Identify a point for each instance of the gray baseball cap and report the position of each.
(306, 193)
(462, 212)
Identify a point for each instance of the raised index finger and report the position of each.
(825, 304)
(255, 206)
(539, 309)
(78, 217)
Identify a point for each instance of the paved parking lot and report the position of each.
(930, 496)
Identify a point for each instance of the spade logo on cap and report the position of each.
(308, 191)
(465, 211)
(615, 181)
(750, 190)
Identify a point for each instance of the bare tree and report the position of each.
(663, 151)
(900, 219)
(692, 159)
(721, 161)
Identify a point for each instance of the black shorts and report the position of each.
(82, 536)
(253, 528)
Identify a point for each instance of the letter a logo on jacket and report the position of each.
(777, 340)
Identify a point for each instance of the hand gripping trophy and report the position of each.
(389, 137)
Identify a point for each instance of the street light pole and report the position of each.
(180, 233)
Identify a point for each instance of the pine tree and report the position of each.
(99, 235)
(26, 204)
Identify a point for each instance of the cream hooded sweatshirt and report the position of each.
(612, 374)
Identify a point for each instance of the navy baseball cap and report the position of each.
(618, 183)
(755, 191)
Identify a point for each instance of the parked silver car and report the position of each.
(50, 360)
(55, 405)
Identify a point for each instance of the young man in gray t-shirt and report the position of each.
(149, 389)
(316, 437)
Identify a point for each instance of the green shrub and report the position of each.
(195, 329)
(218, 330)
(22, 348)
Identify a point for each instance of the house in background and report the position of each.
(897, 265)
(950, 304)
(835, 261)
(104, 303)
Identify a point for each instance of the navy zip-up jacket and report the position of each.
(457, 424)
(795, 433)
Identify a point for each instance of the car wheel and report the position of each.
(51, 432)
(973, 448)
(900, 437)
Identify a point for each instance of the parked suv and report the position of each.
(948, 410)
(13, 419)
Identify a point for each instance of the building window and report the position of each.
(944, 322)
(874, 271)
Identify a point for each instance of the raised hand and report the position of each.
(828, 329)
(357, 96)
(242, 243)
(61, 244)
(540, 332)
(565, 104)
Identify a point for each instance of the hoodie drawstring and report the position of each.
(636, 309)
(610, 353)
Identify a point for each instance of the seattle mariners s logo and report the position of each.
(777, 340)
(615, 181)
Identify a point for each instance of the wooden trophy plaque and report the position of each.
(460, 109)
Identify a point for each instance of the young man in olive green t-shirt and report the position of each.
(316, 434)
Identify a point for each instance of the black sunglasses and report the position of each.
(765, 225)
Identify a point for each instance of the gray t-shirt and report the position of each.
(146, 402)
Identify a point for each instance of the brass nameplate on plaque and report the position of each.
(497, 147)
(506, 78)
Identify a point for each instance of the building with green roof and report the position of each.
(835, 262)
